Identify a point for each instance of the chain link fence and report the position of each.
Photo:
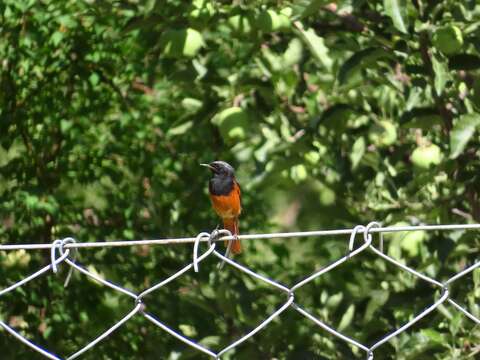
(63, 253)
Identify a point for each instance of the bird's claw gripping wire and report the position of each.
(229, 246)
(211, 238)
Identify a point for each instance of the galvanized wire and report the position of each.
(61, 253)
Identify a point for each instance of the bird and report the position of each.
(225, 195)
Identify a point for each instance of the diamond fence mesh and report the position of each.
(63, 254)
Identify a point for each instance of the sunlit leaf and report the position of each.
(358, 150)
(441, 74)
(394, 9)
(316, 44)
(462, 132)
(347, 318)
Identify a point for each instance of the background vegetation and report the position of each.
(334, 114)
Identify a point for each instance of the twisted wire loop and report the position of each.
(61, 252)
(57, 245)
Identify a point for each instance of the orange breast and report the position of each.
(228, 206)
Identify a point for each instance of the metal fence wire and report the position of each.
(62, 253)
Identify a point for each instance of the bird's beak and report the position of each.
(208, 166)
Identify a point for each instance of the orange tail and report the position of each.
(231, 224)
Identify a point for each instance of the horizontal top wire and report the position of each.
(118, 243)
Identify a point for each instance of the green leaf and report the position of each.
(191, 104)
(334, 300)
(361, 60)
(65, 125)
(434, 335)
(358, 150)
(377, 300)
(305, 8)
(462, 132)
(180, 129)
(94, 79)
(31, 201)
(393, 9)
(422, 118)
(57, 38)
(441, 75)
(293, 54)
(316, 44)
(347, 318)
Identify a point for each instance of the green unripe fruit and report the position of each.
(298, 173)
(423, 157)
(232, 123)
(448, 39)
(409, 241)
(383, 134)
(181, 43)
(287, 11)
(284, 22)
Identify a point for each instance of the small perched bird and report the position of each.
(225, 196)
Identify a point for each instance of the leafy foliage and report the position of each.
(334, 114)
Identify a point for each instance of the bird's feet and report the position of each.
(215, 234)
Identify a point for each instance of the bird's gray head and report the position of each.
(221, 168)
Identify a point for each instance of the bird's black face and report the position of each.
(221, 168)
